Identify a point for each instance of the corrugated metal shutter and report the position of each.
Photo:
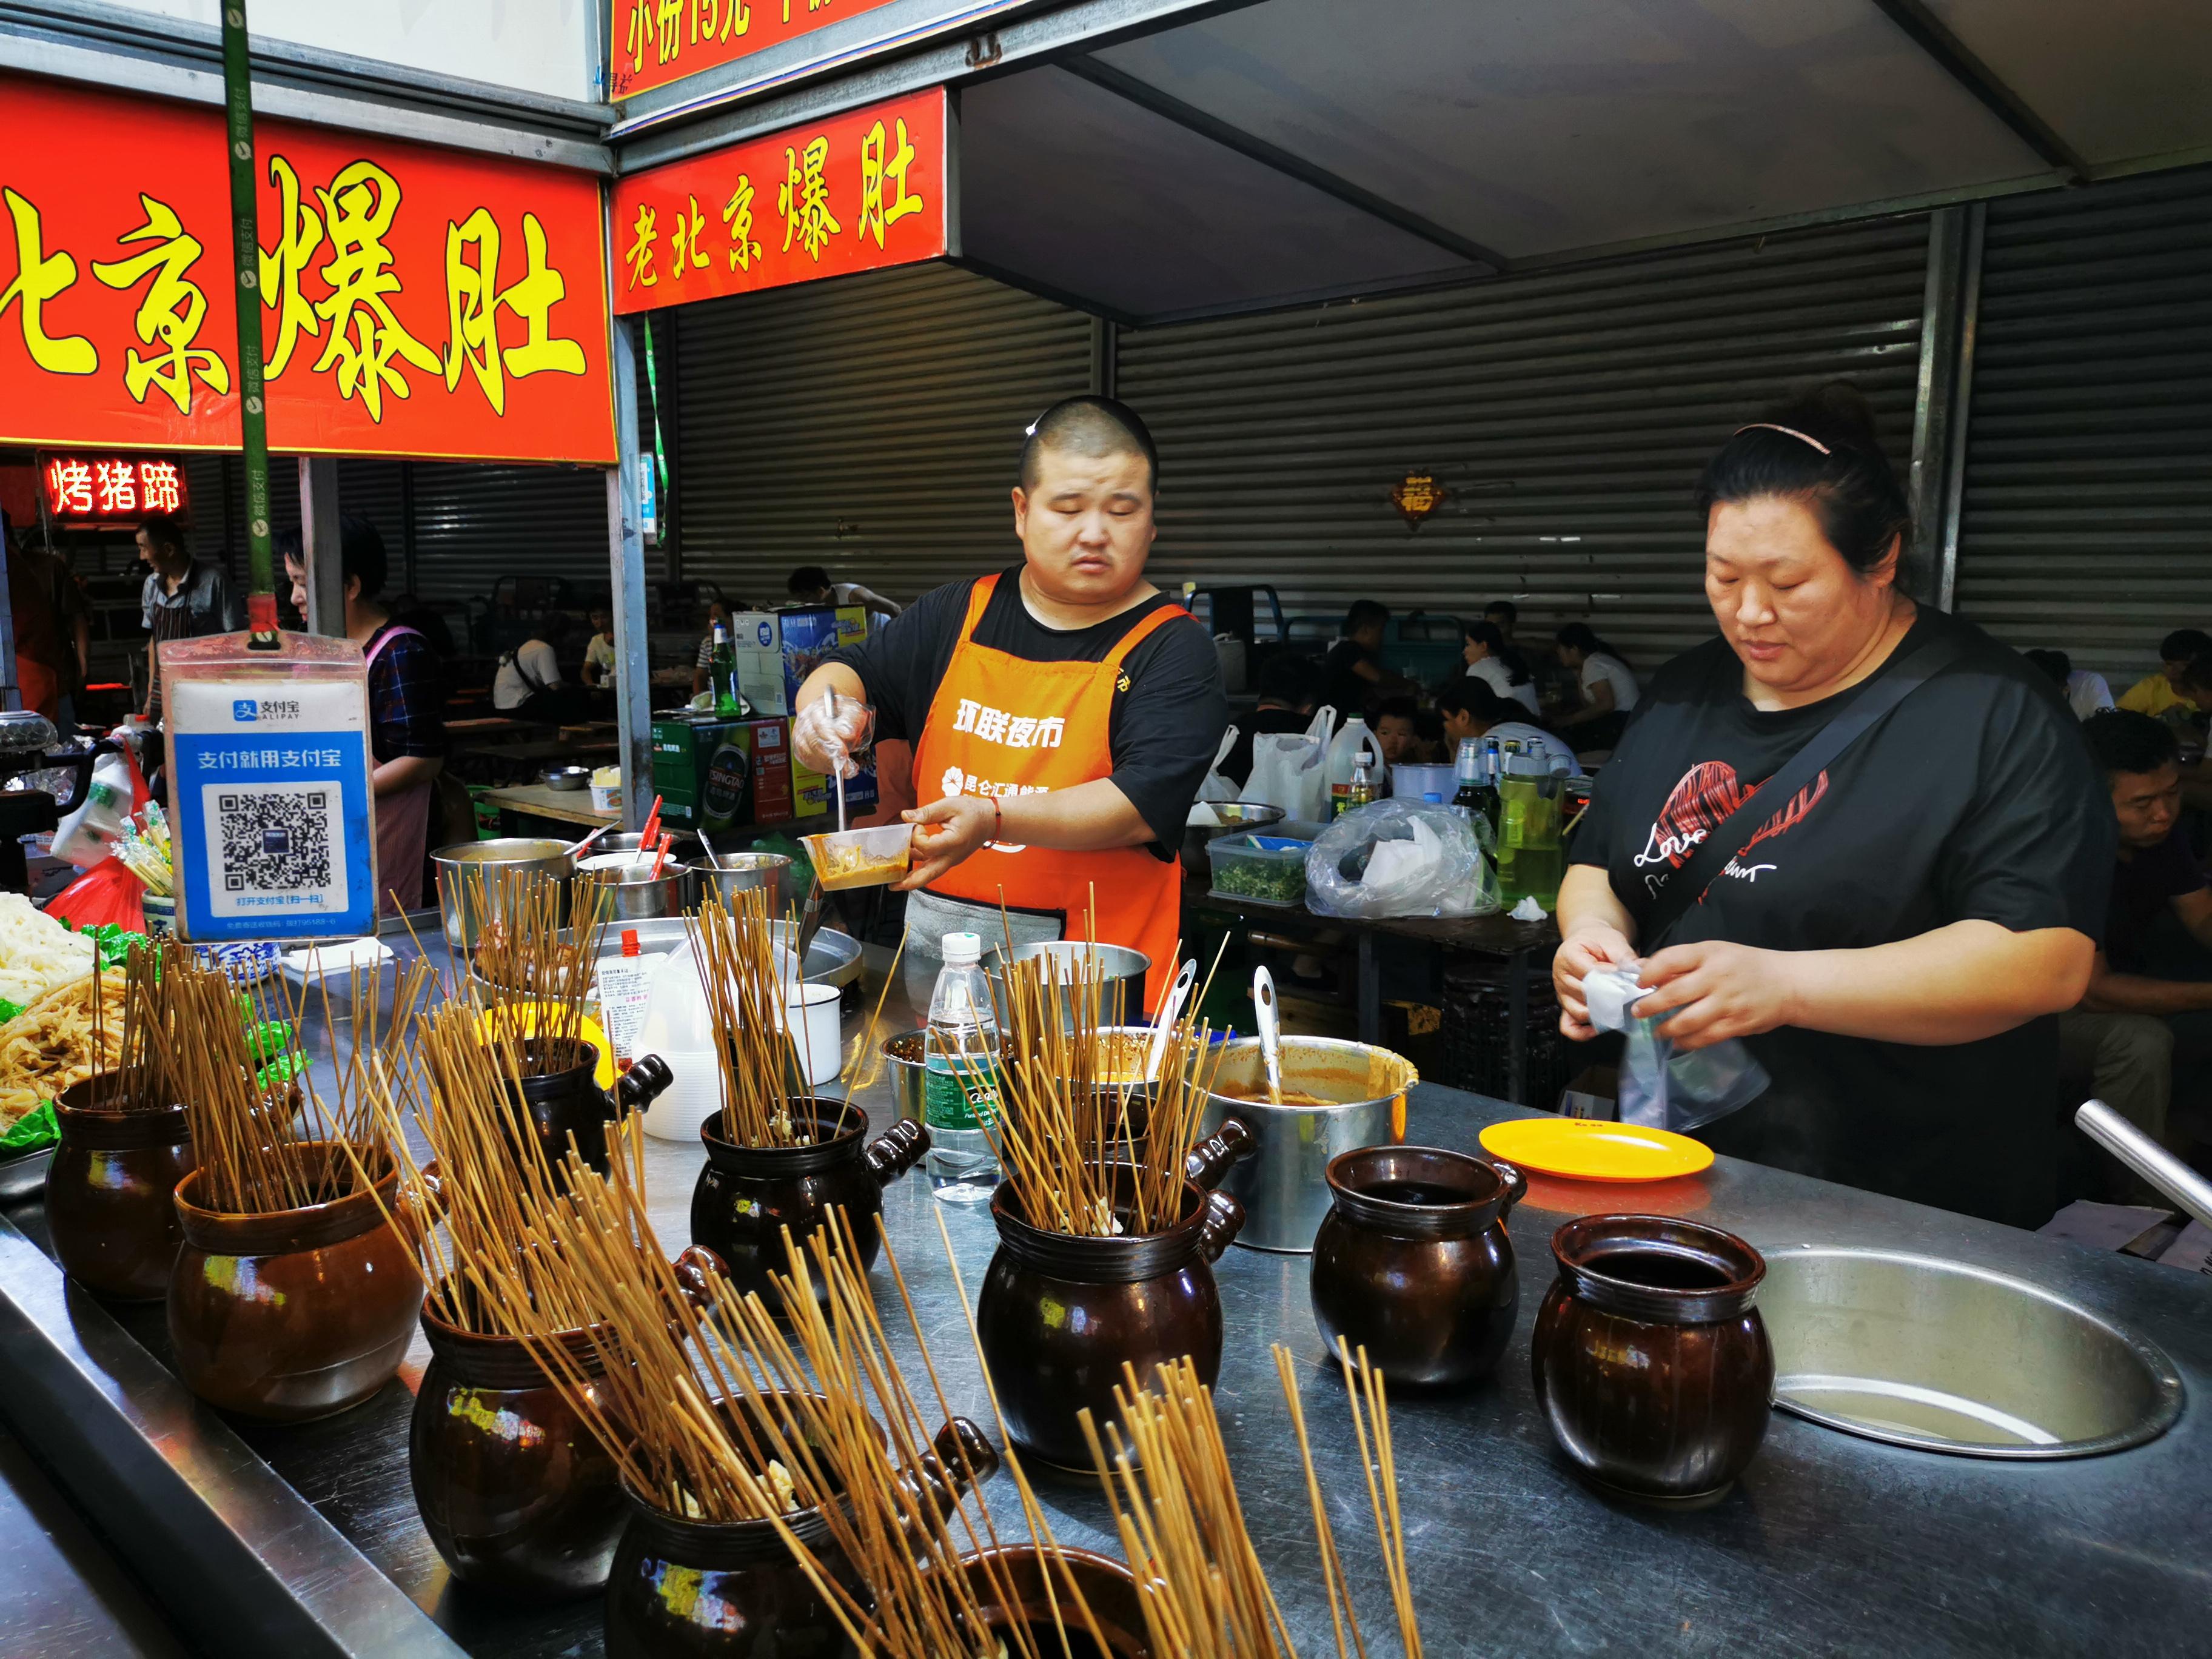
(2087, 519)
(869, 423)
(474, 524)
(1568, 412)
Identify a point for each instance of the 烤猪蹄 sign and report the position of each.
(415, 301)
(854, 191)
(96, 489)
(653, 42)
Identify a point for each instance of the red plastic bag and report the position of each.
(106, 892)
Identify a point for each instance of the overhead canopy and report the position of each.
(1295, 148)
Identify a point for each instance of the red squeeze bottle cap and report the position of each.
(261, 613)
(630, 945)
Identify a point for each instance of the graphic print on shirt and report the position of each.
(1697, 805)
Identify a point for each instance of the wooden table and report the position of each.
(1517, 943)
(536, 800)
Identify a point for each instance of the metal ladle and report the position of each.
(2147, 1158)
(1271, 1032)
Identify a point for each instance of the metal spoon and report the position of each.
(830, 706)
(1170, 1007)
(1271, 1032)
(2147, 1158)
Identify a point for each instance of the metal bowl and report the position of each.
(1943, 1357)
(1209, 818)
(1121, 994)
(566, 779)
(1284, 1184)
(502, 863)
(728, 874)
(902, 1061)
(630, 892)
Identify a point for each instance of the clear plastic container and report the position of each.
(960, 1076)
(862, 858)
(1268, 869)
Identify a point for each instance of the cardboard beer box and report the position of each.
(757, 641)
(776, 650)
(702, 771)
(773, 794)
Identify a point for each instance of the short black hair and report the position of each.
(1365, 613)
(361, 552)
(1404, 708)
(1289, 680)
(164, 529)
(1478, 699)
(2184, 643)
(1093, 425)
(1823, 449)
(2121, 741)
(1505, 608)
(807, 578)
(2056, 664)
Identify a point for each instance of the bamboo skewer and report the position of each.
(735, 950)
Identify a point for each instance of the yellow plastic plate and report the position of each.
(603, 1073)
(1587, 1148)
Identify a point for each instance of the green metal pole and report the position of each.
(253, 414)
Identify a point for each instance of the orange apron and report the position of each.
(1000, 725)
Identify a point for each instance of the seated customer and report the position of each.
(1492, 660)
(1502, 615)
(529, 687)
(1472, 709)
(1288, 698)
(1354, 677)
(2154, 694)
(2124, 1032)
(703, 665)
(1398, 729)
(811, 584)
(1608, 687)
(2085, 694)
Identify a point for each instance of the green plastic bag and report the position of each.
(36, 1128)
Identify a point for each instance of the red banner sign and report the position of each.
(87, 488)
(656, 41)
(415, 301)
(852, 192)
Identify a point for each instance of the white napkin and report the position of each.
(1610, 995)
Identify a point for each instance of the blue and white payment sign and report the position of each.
(269, 788)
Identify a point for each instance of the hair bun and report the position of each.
(1836, 413)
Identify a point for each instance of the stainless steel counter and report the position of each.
(1829, 1545)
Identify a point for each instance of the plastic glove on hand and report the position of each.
(827, 731)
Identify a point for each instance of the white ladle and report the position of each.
(1170, 1009)
(1271, 1032)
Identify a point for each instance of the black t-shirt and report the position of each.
(1165, 728)
(1975, 798)
(2145, 885)
(1345, 689)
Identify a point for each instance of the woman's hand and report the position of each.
(1593, 945)
(949, 831)
(1717, 991)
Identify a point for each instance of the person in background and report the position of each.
(811, 584)
(1352, 673)
(406, 709)
(528, 684)
(2148, 1012)
(1609, 684)
(2085, 693)
(1502, 615)
(702, 666)
(1398, 729)
(1471, 710)
(2154, 694)
(1432, 749)
(410, 610)
(600, 655)
(184, 598)
(1490, 658)
(53, 629)
(1289, 689)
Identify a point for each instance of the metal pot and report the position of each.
(1210, 818)
(728, 874)
(631, 892)
(501, 864)
(1121, 994)
(902, 1061)
(1283, 1185)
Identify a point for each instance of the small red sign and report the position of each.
(854, 192)
(653, 42)
(91, 489)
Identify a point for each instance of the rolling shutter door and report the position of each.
(869, 423)
(475, 525)
(1567, 413)
(2087, 519)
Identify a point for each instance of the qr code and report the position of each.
(273, 843)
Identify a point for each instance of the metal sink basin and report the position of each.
(1943, 1358)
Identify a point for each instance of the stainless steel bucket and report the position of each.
(902, 1063)
(1284, 1184)
(1121, 990)
(501, 864)
(728, 874)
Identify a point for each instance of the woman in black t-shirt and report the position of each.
(1893, 940)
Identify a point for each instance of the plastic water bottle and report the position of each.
(960, 1076)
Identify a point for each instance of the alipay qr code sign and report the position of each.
(271, 782)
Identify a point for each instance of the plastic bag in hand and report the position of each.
(1664, 1087)
(1400, 858)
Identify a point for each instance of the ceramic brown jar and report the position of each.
(293, 1314)
(111, 1209)
(1413, 1262)
(566, 1099)
(747, 1195)
(1650, 1363)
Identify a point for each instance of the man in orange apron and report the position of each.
(1063, 713)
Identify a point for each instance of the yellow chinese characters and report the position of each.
(40, 277)
(803, 199)
(685, 251)
(172, 312)
(300, 233)
(640, 256)
(878, 215)
(474, 300)
(738, 215)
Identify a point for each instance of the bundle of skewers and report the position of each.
(741, 974)
(1092, 1146)
(534, 970)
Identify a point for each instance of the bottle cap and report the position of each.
(962, 949)
(1433, 799)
